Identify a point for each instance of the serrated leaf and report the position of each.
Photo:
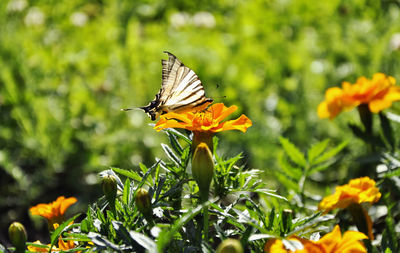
(293, 172)
(127, 173)
(316, 150)
(179, 134)
(320, 168)
(171, 155)
(175, 143)
(331, 153)
(310, 221)
(293, 152)
(287, 182)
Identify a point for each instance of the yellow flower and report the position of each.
(332, 242)
(54, 212)
(356, 191)
(378, 93)
(208, 120)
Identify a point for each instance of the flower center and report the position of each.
(203, 119)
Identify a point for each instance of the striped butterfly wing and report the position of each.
(181, 90)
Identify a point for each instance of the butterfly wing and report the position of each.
(181, 90)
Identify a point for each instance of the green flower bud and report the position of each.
(109, 185)
(17, 234)
(203, 169)
(143, 201)
(230, 246)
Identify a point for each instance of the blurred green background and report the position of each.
(68, 66)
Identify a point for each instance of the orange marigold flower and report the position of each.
(332, 242)
(356, 191)
(334, 103)
(54, 212)
(208, 120)
(379, 93)
(62, 246)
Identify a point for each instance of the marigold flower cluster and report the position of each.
(357, 191)
(330, 243)
(378, 93)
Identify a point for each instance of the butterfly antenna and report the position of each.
(126, 109)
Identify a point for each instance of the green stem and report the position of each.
(205, 224)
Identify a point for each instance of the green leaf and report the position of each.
(127, 173)
(293, 172)
(144, 241)
(319, 168)
(102, 243)
(331, 153)
(167, 234)
(387, 129)
(316, 150)
(174, 143)
(125, 194)
(287, 182)
(56, 234)
(171, 155)
(179, 134)
(294, 154)
(85, 226)
(270, 193)
(310, 221)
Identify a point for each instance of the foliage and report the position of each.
(67, 67)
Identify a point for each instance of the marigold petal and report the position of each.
(225, 112)
(164, 123)
(186, 117)
(323, 111)
(378, 105)
(66, 203)
(241, 124)
(351, 242)
(330, 240)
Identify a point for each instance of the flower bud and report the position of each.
(203, 169)
(143, 201)
(230, 246)
(17, 234)
(109, 185)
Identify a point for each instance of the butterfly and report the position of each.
(181, 90)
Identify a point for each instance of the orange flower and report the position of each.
(332, 242)
(356, 191)
(62, 246)
(334, 103)
(379, 93)
(208, 120)
(54, 212)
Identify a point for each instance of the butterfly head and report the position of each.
(153, 108)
